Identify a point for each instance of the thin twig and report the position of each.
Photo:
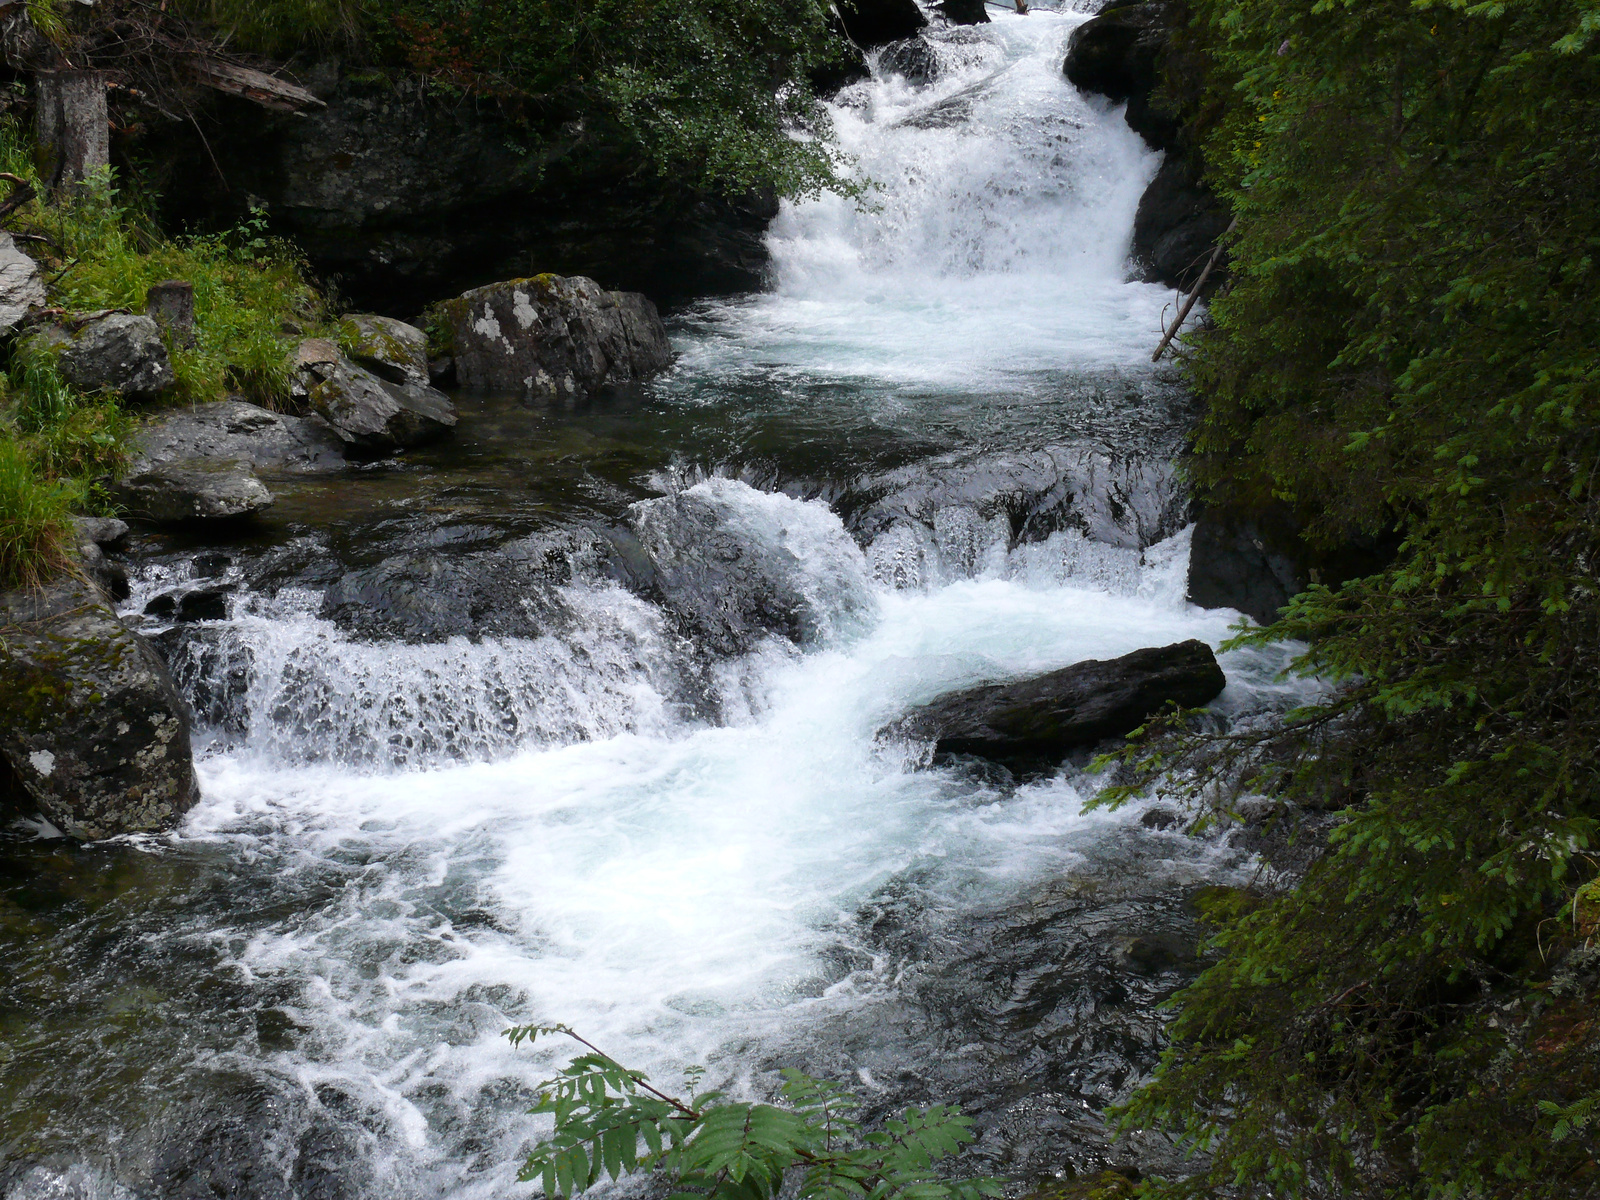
(1183, 312)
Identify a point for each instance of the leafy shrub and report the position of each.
(610, 1120)
(33, 511)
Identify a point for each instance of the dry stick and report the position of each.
(1183, 312)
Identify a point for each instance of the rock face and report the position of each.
(95, 734)
(234, 429)
(193, 489)
(366, 412)
(554, 338)
(90, 535)
(1076, 706)
(21, 288)
(1178, 222)
(408, 197)
(1238, 563)
(1119, 54)
(390, 349)
(109, 350)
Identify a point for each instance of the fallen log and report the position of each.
(256, 86)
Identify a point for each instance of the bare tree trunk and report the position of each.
(74, 130)
(172, 305)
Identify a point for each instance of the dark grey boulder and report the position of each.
(94, 731)
(554, 338)
(193, 489)
(1117, 54)
(115, 350)
(1076, 706)
(1178, 222)
(872, 23)
(1244, 563)
(965, 12)
(234, 429)
(368, 413)
(389, 348)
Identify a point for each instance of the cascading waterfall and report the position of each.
(664, 816)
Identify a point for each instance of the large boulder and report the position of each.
(94, 732)
(108, 349)
(235, 429)
(554, 338)
(1076, 706)
(1117, 54)
(365, 411)
(390, 349)
(21, 289)
(181, 490)
(965, 12)
(872, 23)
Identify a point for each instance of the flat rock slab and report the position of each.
(91, 725)
(1075, 706)
(554, 338)
(235, 429)
(193, 489)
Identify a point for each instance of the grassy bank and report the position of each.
(1407, 348)
(99, 248)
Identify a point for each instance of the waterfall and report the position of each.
(637, 787)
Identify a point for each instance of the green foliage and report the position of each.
(33, 513)
(610, 1121)
(1407, 345)
(704, 93)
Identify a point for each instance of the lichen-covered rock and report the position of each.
(21, 288)
(108, 349)
(193, 489)
(390, 349)
(365, 411)
(234, 429)
(93, 729)
(554, 338)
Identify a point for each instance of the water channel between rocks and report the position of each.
(573, 719)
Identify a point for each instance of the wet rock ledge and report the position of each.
(1049, 715)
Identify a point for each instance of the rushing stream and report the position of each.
(573, 719)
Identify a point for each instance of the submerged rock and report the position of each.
(912, 59)
(365, 411)
(108, 349)
(388, 348)
(234, 429)
(94, 731)
(193, 489)
(1076, 706)
(554, 338)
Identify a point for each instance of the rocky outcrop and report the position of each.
(368, 413)
(21, 289)
(107, 349)
(1076, 706)
(553, 338)
(913, 60)
(181, 490)
(95, 734)
(388, 348)
(234, 429)
(408, 195)
(1120, 54)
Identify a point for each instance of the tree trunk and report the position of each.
(74, 130)
(172, 305)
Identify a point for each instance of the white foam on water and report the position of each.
(994, 249)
